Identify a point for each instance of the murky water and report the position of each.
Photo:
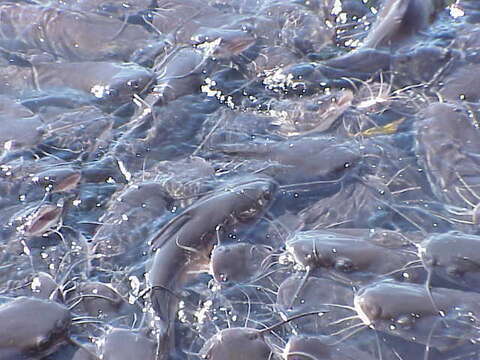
(239, 179)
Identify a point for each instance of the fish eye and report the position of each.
(344, 265)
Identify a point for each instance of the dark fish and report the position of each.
(452, 260)
(32, 328)
(355, 254)
(387, 191)
(297, 295)
(237, 344)
(188, 238)
(68, 34)
(180, 73)
(126, 344)
(43, 286)
(238, 263)
(462, 84)
(129, 220)
(297, 160)
(309, 115)
(59, 178)
(423, 65)
(104, 7)
(96, 299)
(399, 19)
(104, 82)
(450, 130)
(227, 42)
(242, 343)
(319, 347)
(407, 311)
(20, 127)
(344, 71)
(81, 133)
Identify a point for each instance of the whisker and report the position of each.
(347, 329)
(452, 220)
(263, 276)
(228, 319)
(405, 217)
(234, 302)
(411, 252)
(403, 269)
(406, 189)
(340, 306)
(457, 190)
(311, 183)
(270, 355)
(87, 322)
(361, 327)
(345, 319)
(379, 347)
(270, 265)
(430, 296)
(468, 187)
(267, 259)
(264, 289)
(335, 276)
(277, 230)
(397, 354)
(300, 286)
(398, 173)
(459, 212)
(208, 136)
(72, 306)
(277, 349)
(429, 339)
(294, 317)
(151, 24)
(249, 308)
(96, 296)
(187, 248)
(84, 318)
(275, 285)
(334, 224)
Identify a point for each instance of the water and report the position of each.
(127, 126)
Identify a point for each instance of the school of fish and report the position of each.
(240, 179)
